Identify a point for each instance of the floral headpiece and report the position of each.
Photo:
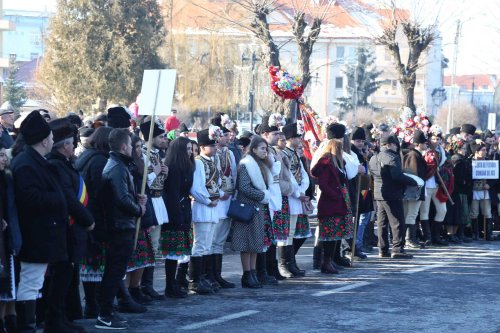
(276, 120)
(436, 130)
(227, 122)
(300, 127)
(214, 132)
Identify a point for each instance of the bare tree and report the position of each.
(418, 37)
(463, 113)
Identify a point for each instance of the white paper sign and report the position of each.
(484, 169)
(492, 122)
(157, 92)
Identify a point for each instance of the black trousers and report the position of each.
(58, 288)
(391, 213)
(120, 249)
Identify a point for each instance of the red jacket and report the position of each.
(330, 180)
(172, 123)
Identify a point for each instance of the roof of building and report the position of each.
(479, 80)
(27, 71)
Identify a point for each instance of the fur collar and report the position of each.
(255, 174)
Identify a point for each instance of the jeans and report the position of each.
(364, 219)
(120, 249)
(391, 213)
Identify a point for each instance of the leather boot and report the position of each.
(337, 257)
(327, 266)
(248, 282)
(283, 261)
(255, 279)
(10, 322)
(426, 230)
(195, 277)
(411, 237)
(126, 303)
(262, 275)
(461, 234)
(317, 254)
(475, 229)
(26, 316)
(489, 229)
(91, 305)
(172, 288)
(180, 277)
(208, 268)
(139, 296)
(218, 273)
(292, 263)
(272, 263)
(436, 234)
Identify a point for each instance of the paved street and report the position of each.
(453, 289)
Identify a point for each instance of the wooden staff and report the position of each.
(484, 213)
(148, 153)
(442, 183)
(354, 237)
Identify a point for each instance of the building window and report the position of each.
(339, 82)
(340, 53)
(352, 55)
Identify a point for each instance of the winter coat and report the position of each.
(414, 163)
(389, 180)
(365, 195)
(42, 209)
(13, 239)
(72, 184)
(121, 207)
(330, 180)
(177, 200)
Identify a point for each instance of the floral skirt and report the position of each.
(268, 235)
(302, 229)
(92, 267)
(176, 245)
(337, 227)
(280, 226)
(143, 255)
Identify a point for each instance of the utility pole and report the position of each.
(251, 93)
(449, 120)
(472, 94)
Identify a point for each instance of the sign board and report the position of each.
(157, 92)
(492, 122)
(484, 169)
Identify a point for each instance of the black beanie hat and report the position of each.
(157, 130)
(335, 131)
(118, 117)
(455, 131)
(468, 128)
(358, 134)
(419, 137)
(290, 131)
(389, 139)
(62, 129)
(34, 128)
(264, 126)
(203, 138)
(244, 141)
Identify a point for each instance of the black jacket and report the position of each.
(90, 164)
(81, 218)
(42, 209)
(13, 239)
(414, 163)
(176, 196)
(365, 195)
(121, 207)
(388, 177)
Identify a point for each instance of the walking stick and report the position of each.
(484, 214)
(355, 236)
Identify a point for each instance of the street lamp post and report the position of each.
(251, 93)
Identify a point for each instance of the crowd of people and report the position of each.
(74, 209)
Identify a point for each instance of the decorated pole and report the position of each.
(354, 236)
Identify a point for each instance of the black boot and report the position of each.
(180, 277)
(338, 258)
(327, 266)
(475, 229)
(139, 296)
(317, 255)
(461, 234)
(10, 322)
(248, 282)
(297, 244)
(411, 237)
(426, 230)
(283, 261)
(292, 263)
(489, 229)
(436, 234)
(91, 305)
(195, 277)
(172, 288)
(218, 273)
(272, 263)
(26, 316)
(2, 326)
(262, 275)
(126, 303)
(208, 265)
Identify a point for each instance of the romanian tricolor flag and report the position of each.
(82, 196)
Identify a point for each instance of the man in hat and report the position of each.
(172, 122)
(118, 117)
(81, 220)
(183, 130)
(7, 125)
(122, 209)
(43, 218)
(365, 200)
(84, 134)
(414, 163)
(226, 163)
(467, 131)
(389, 185)
(300, 183)
(157, 173)
(206, 190)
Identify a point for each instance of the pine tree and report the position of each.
(363, 74)
(14, 91)
(98, 50)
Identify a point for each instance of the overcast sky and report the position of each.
(479, 44)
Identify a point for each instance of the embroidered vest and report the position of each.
(211, 177)
(276, 176)
(295, 164)
(155, 159)
(224, 159)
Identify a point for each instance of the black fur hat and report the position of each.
(335, 131)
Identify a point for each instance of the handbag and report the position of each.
(307, 207)
(241, 212)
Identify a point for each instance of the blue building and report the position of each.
(26, 42)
